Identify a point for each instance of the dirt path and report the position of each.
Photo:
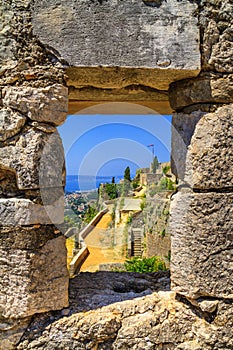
(100, 243)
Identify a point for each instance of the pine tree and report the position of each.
(127, 182)
(127, 174)
(154, 165)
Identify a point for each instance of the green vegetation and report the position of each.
(163, 233)
(129, 219)
(111, 190)
(137, 176)
(143, 203)
(113, 212)
(154, 165)
(142, 265)
(90, 214)
(166, 184)
(127, 183)
(166, 169)
(71, 219)
(127, 176)
(135, 184)
(168, 256)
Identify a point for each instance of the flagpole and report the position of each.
(152, 150)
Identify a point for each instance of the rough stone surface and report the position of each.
(211, 88)
(37, 158)
(34, 277)
(202, 148)
(10, 123)
(16, 211)
(7, 46)
(23, 59)
(122, 78)
(11, 332)
(129, 93)
(216, 21)
(202, 244)
(48, 104)
(165, 37)
(8, 185)
(33, 100)
(155, 321)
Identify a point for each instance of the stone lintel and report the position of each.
(122, 34)
(104, 77)
(123, 107)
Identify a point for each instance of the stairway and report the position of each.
(137, 247)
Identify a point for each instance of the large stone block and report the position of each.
(217, 28)
(37, 158)
(201, 227)
(118, 34)
(34, 276)
(47, 104)
(202, 154)
(10, 123)
(7, 41)
(16, 211)
(209, 88)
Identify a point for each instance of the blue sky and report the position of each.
(103, 145)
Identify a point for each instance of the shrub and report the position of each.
(129, 219)
(90, 214)
(111, 190)
(142, 265)
(166, 169)
(135, 184)
(143, 204)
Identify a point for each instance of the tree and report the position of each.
(127, 182)
(113, 179)
(154, 165)
(127, 174)
(111, 190)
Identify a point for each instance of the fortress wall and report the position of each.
(201, 222)
(33, 101)
(48, 53)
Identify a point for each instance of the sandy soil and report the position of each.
(100, 243)
(101, 247)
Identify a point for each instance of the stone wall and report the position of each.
(41, 53)
(158, 245)
(201, 222)
(33, 101)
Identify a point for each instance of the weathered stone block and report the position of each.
(7, 42)
(202, 154)
(130, 34)
(10, 123)
(16, 211)
(211, 88)
(201, 227)
(33, 271)
(217, 47)
(48, 104)
(36, 157)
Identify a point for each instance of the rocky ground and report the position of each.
(89, 292)
(110, 310)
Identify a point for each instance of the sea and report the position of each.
(85, 183)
